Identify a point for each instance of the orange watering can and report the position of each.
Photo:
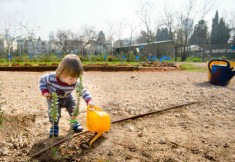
(97, 121)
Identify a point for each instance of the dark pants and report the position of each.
(69, 103)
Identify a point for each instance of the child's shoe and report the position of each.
(77, 127)
(54, 131)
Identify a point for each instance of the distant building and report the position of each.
(122, 43)
(195, 48)
(75, 46)
(101, 36)
(52, 47)
(1, 46)
(51, 36)
(28, 46)
(98, 47)
(41, 47)
(20, 46)
(158, 49)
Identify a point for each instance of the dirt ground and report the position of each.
(204, 131)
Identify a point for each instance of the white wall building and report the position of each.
(29, 46)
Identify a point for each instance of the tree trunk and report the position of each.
(176, 53)
(34, 51)
(9, 53)
(129, 52)
(8, 50)
(184, 55)
(20, 51)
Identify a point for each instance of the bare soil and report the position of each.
(200, 132)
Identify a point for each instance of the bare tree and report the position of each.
(169, 20)
(187, 26)
(145, 14)
(111, 35)
(180, 22)
(89, 35)
(119, 26)
(132, 27)
(63, 39)
(10, 39)
(30, 32)
(206, 7)
(115, 32)
(12, 31)
(232, 22)
(187, 19)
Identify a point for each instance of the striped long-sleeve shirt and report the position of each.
(50, 83)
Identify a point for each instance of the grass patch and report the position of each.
(23, 63)
(189, 67)
(83, 62)
(188, 59)
(111, 63)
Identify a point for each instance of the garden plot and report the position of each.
(200, 132)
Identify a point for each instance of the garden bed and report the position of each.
(92, 67)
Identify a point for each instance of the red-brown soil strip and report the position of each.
(87, 68)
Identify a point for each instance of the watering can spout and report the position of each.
(231, 75)
(95, 138)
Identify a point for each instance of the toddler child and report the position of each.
(63, 81)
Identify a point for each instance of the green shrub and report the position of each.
(102, 57)
(81, 58)
(144, 58)
(115, 59)
(32, 59)
(110, 58)
(96, 58)
(45, 59)
(196, 59)
(84, 59)
(18, 59)
(56, 60)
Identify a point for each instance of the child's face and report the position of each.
(69, 80)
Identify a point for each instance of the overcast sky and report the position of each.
(51, 15)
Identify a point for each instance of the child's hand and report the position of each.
(91, 104)
(47, 95)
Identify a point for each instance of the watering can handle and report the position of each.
(96, 108)
(228, 65)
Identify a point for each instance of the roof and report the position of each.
(144, 44)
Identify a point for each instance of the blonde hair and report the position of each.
(70, 66)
